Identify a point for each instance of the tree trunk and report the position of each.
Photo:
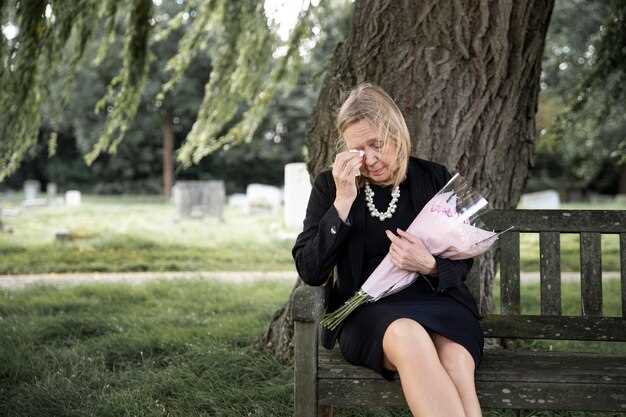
(621, 187)
(168, 154)
(466, 77)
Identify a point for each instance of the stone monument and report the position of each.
(205, 197)
(297, 191)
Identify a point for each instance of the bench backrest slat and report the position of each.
(622, 266)
(590, 225)
(529, 326)
(563, 221)
(510, 273)
(591, 274)
(550, 272)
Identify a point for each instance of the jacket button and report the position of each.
(333, 230)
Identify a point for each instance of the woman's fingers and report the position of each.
(400, 242)
(407, 235)
(391, 236)
(395, 252)
(356, 167)
(395, 260)
(346, 162)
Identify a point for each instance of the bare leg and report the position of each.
(459, 364)
(427, 387)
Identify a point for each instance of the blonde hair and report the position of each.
(370, 102)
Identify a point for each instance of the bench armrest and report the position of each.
(309, 302)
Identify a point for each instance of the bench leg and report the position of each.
(305, 369)
(327, 411)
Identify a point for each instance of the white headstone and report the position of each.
(239, 201)
(72, 198)
(297, 191)
(540, 200)
(199, 197)
(262, 197)
(51, 190)
(31, 189)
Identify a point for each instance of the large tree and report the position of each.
(466, 77)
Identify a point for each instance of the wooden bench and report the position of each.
(507, 378)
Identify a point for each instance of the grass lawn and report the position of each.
(114, 234)
(169, 349)
(123, 233)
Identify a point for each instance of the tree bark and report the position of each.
(168, 154)
(465, 75)
(621, 187)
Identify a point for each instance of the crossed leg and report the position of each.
(436, 377)
(459, 364)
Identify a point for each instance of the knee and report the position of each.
(458, 362)
(405, 337)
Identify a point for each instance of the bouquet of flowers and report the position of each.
(448, 226)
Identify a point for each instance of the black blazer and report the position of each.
(327, 242)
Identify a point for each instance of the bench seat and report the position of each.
(505, 379)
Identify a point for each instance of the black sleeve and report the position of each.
(315, 249)
(451, 273)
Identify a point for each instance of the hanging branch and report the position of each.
(245, 82)
(124, 92)
(245, 74)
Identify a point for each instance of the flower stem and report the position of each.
(332, 320)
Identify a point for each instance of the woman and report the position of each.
(428, 333)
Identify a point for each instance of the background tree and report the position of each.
(582, 120)
(250, 64)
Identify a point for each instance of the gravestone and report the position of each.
(51, 191)
(31, 190)
(264, 198)
(31, 194)
(548, 199)
(297, 190)
(238, 201)
(199, 198)
(72, 198)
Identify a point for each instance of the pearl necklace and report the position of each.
(369, 197)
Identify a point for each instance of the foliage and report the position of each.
(582, 122)
(245, 75)
(170, 89)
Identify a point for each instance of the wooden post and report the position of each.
(305, 368)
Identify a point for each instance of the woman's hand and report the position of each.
(409, 253)
(347, 165)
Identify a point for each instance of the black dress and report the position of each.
(361, 337)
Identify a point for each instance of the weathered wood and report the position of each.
(505, 379)
(305, 369)
(326, 411)
(510, 273)
(564, 221)
(554, 327)
(516, 379)
(622, 266)
(550, 270)
(591, 274)
(491, 394)
(507, 366)
(309, 303)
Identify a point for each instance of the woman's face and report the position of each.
(377, 165)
